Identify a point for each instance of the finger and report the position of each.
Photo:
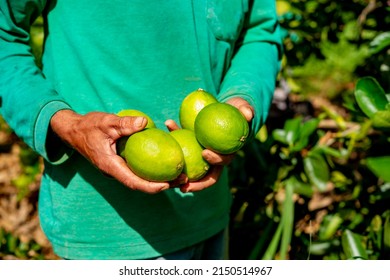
(181, 180)
(247, 111)
(217, 159)
(245, 108)
(171, 125)
(210, 179)
(125, 126)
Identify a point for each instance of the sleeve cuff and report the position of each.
(46, 143)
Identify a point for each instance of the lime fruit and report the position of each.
(121, 142)
(221, 128)
(195, 166)
(153, 154)
(191, 106)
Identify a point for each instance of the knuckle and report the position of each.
(128, 183)
(152, 189)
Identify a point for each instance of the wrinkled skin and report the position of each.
(94, 136)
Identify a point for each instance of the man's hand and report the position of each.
(94, 136)
(217, 161)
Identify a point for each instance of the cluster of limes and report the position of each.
(157, 155)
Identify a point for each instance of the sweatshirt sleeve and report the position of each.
(27, 99)
(255, 65)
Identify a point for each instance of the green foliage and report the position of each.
(336, 68)
(353, 246)
(327, 43)
(380, 43)
(31, 168)
(370, 96)
(12, 246)
(333, 179)
(338, 175)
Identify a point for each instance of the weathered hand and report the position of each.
(94, 136)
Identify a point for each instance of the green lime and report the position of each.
(121, 142)
(153, 154)
(195, 166)
(222, 128)
(192, 104)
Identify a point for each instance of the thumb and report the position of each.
(247, 111)
(129, 125)
(245, 108)
(171, 125)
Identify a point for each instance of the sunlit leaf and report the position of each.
(326, 150)
(292, 128)
(370, 96)
(301, 187)
(274, 244)
(280, 136)
(352, 246)
(330, 226)
(381, 119)
(380, 42)
(287, 218)
(319, 248)
(12, 242)
(282, 7)
(380, 166)
(376, 230)
(317, 170)
(306, 130)
(261, 241)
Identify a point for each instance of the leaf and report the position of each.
(307, 129)
(370, 96)
(319, 248)
(280, 136)
(287, 219)
(285, 228)
(301, 187)
(340, 153)
(352, 245)
(330, 226)
(12, 242)
(386, 233)
(380, 42)
(292, 129)
(296, 133)
(290, 132)
(380, 167)
(376, 231)
(376, 223)
(261, 241)
(273, 246)
(316, 170)
(381, 119)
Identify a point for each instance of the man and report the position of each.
(104, 56)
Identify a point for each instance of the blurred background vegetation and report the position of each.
(315, 182)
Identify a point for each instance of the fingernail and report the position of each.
(140, 122)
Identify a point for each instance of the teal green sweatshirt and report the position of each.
(111, 55)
